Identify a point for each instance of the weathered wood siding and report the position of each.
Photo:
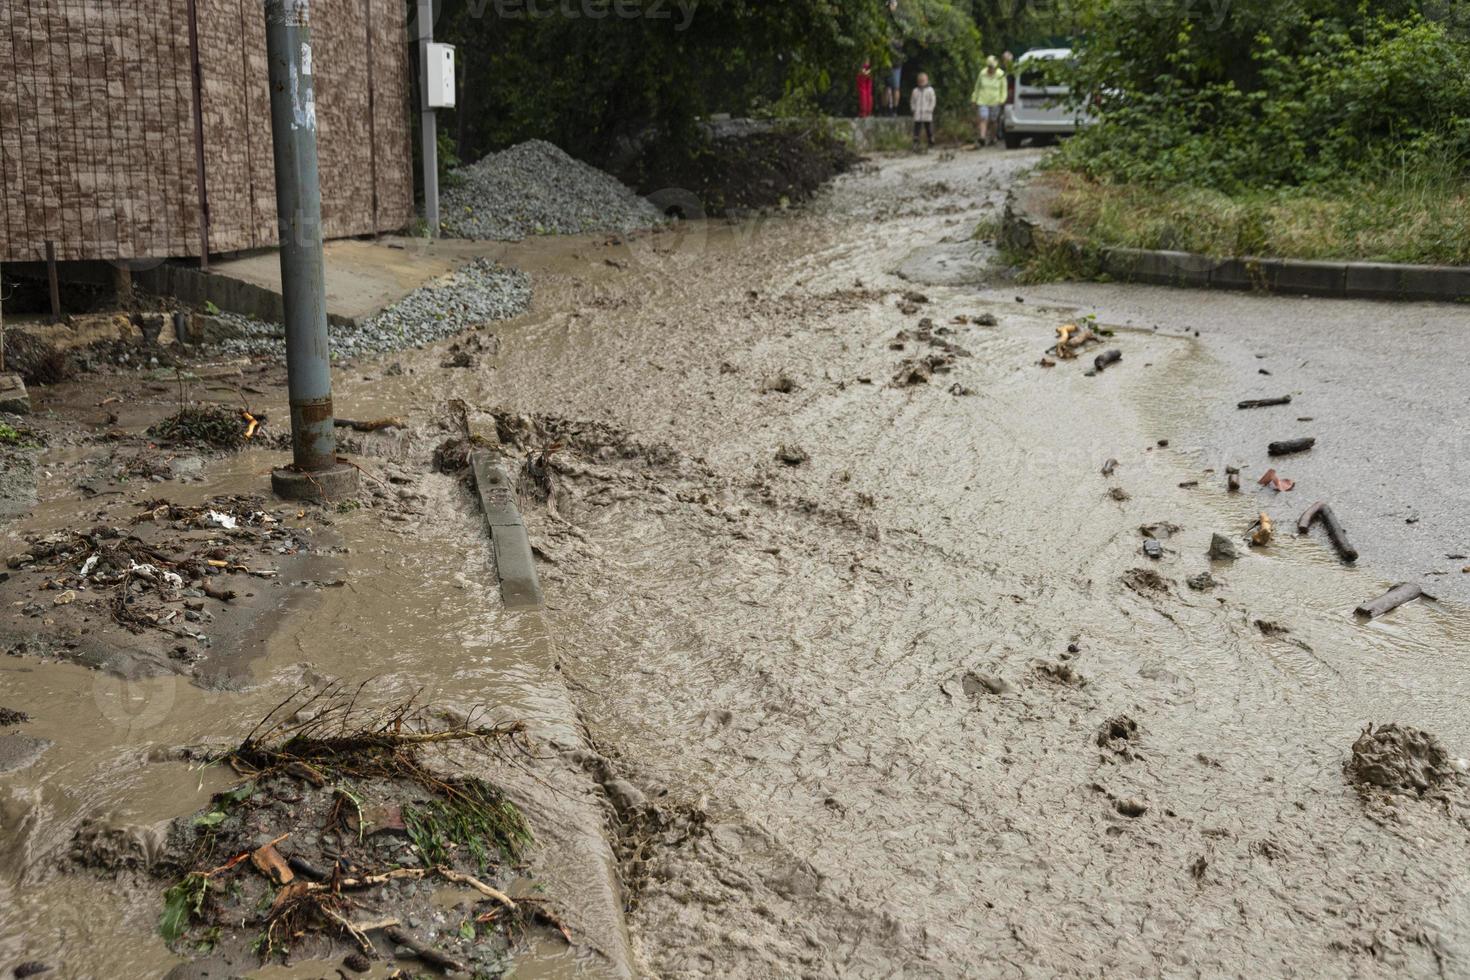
(97, 125)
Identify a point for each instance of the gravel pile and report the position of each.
(536, 189)
(480, 293)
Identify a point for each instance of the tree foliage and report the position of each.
(1272, 93)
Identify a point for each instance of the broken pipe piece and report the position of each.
(1288, 446)
(1390, 600)
(1264, 402)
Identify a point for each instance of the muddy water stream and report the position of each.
(865, 691)
(877, 678)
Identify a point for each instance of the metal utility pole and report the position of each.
(315, 472)
(428, 124)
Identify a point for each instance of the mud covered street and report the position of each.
(855, 662)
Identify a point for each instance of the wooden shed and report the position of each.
(103, 154)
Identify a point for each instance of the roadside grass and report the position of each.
(1404, 216)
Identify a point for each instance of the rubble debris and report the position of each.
(1287, 447)
(1071, 337)
(985, 320)
(1222, 548)
(1264, 402)
(1107, 357)
(1109, 467)
(1203, 582)
(1145, 580)
(918, 370)
(1391, 600)
(9, 716)
(1119, 494)
(1262, 530)
(1159, 530)
(203, 425)
(792, 455)
(1278, 483)
(1153, 549)
(1399, 759)
(961, 391)
(316, 768)
(913, 296)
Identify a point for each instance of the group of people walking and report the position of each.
(988, 97)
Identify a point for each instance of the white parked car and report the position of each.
(1036, 108)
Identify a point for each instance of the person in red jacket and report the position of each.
(865, 90)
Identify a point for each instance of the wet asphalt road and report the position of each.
(1386, 390)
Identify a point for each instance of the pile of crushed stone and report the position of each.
(534, 188)
(480, 293)
(1399, 759)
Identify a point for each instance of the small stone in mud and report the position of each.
(1399, 759)
(792, 455)
(960, 391)
(357, 963)
(9, 716)
(1131, 807)
(1223, 549)
(985, 320)
(1153, 549)
(1203, 582)
(33, 968)
(1119, 494)
(913, 296)
(1159, 531)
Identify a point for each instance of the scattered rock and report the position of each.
(1223, 549)
(781, 384)
(9, 716)
(1203, 582)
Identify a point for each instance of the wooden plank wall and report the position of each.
(97, 126)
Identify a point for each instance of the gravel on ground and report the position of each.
(534, 188)
(480, 293)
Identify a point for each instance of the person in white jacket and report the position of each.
(922, 101)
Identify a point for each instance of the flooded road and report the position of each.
(875, 677)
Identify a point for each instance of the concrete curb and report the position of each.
(1028, 226)
(520, 587)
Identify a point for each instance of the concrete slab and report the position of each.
(362, 277)
(515, 566)
(13, 396)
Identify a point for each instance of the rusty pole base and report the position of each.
(334, 483)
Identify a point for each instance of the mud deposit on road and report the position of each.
(864, 683)
(877, 678)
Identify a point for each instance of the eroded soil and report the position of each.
(869, 672)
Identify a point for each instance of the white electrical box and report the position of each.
(439, 72)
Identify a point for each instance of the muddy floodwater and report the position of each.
(869, 660)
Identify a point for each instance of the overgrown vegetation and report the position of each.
(1308, 128)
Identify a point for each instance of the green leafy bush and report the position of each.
(1306, 100)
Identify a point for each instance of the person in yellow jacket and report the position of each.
(989, 98)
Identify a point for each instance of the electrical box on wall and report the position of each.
(439, 76)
